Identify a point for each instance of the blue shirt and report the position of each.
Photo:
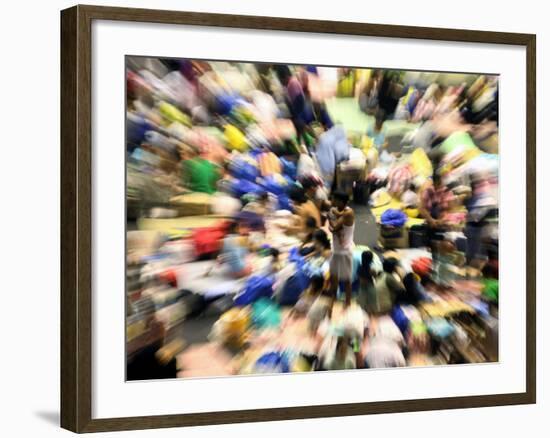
(378, 137)
(234, 254)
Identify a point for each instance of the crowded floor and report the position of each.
(298, 218)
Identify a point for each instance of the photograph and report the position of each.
(286, 218)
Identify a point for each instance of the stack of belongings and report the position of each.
(393, 233)
(351, 171)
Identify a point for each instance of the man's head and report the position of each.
(340, 200)
(297, 195)
(263, 197)
(311, 224)
(309, 185)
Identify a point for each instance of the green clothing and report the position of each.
(367, 297)
(200, 175)
(387, 287)
(490, 289)
(456, 140)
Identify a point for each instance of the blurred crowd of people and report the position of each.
(245, 185)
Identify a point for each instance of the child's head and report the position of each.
(238, 227)
(274, 253)
(366, 261)
(366, 258)
(310, 186)
(389, 265)
(297, 195)
(263, 197)
(320, 240)
(232, 227)
(409, 280)
(311, 225)
(317, 283)
(340, 200)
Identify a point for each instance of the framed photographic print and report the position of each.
(270, 218)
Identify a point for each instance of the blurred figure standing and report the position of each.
(435, 198)
(342, 226)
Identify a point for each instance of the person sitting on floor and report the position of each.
(307, 246)
(367, 288)
(388, 287)
(235, 251)
(321, 246)
(446, 262)
(261, 205)
(413, 291)
(377, 131)
(344, 357)
(315, 191)
(275, 265)
(308, 297)
(304, 208)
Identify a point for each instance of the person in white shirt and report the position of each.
(342, 226)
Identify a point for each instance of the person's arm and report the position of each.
(345, 218)
(423, 209)
(296, 226)
(336, 224)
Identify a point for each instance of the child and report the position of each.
(413, 291)
(446, 260)
(367, 289)
(384, 353)
(377, 132)
(409, 198)
(260, 205)
(344, 357)
(321, 304)
(321, 246)
(235, 251)
(388, 287)
(275, 260)
(304, 208)
(302, 307)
